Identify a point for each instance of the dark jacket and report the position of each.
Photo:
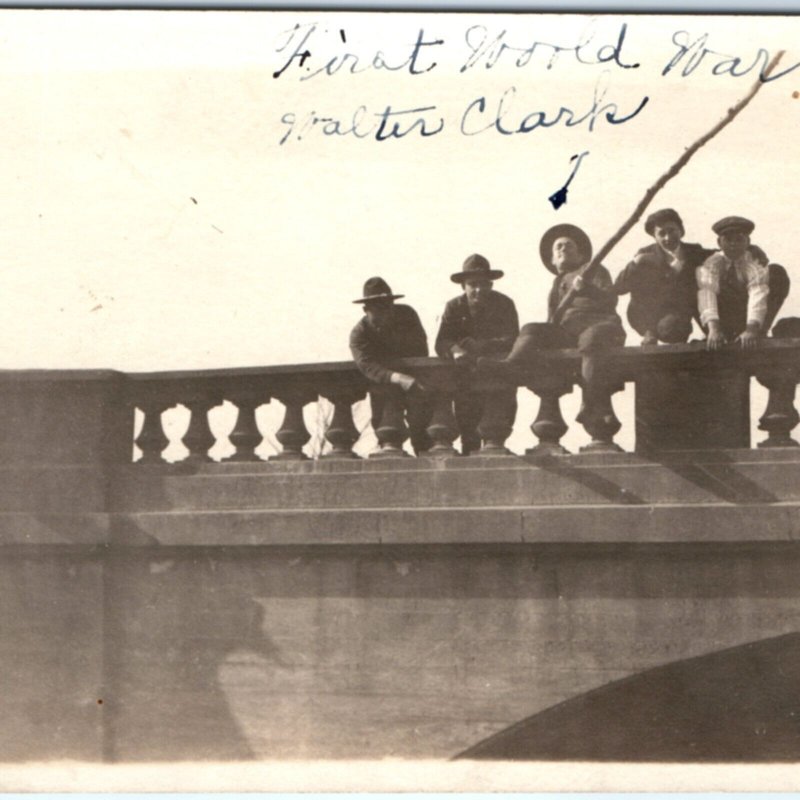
(373, 350)
(655, 284)
(596, 300)
(494, 328)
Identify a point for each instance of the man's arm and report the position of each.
(366, 358)
(629, 279)
(415, 340)
(598, 287)
(449, 331)
(757, 293)
(708, 277)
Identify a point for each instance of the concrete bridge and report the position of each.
(597, 605)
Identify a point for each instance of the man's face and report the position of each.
(668, 235)
(477, 290)
(733, 243)
(566, 255)
(379, 312)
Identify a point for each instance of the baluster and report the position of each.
(293, 434)
(342, 433)
(494, 426)
(599, 420)
(549, 425)
(392, 431)
(245, 436)
(151, 439)
(442, 428)
(780, 416)
(198, 437)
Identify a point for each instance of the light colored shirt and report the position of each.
(676, 259)
(749, 273)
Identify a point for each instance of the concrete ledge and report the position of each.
(53, 488)
(634, 525)
(24, 528)
(708, 523)
(618, 479)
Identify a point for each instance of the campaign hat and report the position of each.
(476, 266)
(377, 289)
(582, 242)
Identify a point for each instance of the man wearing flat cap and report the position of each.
(389, 331)
(589, 321)
(739, 291)
(661, 281)
(480, 321)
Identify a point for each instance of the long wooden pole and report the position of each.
(667, 176)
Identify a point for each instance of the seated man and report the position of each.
(739, 292)
(481, 321)
(661, 281)
(588, 322)
(385, 333)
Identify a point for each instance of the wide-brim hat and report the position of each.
(476, 266)
(377, 289)
(661, 217)
(582, 242)
(742, 224)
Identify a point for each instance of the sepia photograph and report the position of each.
(399, 400)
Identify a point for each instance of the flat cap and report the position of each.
(661, 217)
(733, 223)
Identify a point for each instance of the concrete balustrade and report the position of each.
(333, 607)
(686, 399)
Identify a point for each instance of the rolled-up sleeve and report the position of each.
(757, 292)
(708, 276)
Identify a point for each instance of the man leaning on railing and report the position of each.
(389, 331)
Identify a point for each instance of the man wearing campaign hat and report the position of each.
(589, 321)
(739, 291)
(661, 281)
(480, 321)
(386, 332)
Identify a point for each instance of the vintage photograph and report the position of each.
(400, 388)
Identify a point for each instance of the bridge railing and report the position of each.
(685, 398)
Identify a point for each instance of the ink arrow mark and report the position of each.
(560, 197)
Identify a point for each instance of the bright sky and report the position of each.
(152, 220)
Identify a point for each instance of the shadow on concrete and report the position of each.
(585, 477)
(142, 635)
(722, 479)
(175, 617)
(739, 704)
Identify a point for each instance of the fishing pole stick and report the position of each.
(667, 176)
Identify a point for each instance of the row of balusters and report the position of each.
(341, 433)
(779, 418)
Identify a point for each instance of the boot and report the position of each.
(523, 353)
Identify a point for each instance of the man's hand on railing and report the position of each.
(406, 382)
(750, 336)
(460, 354)
(716, 338)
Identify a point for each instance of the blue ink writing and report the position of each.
(296, 49)
(508, 120)
(388, 124)
(691, 54)
(490, 50)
